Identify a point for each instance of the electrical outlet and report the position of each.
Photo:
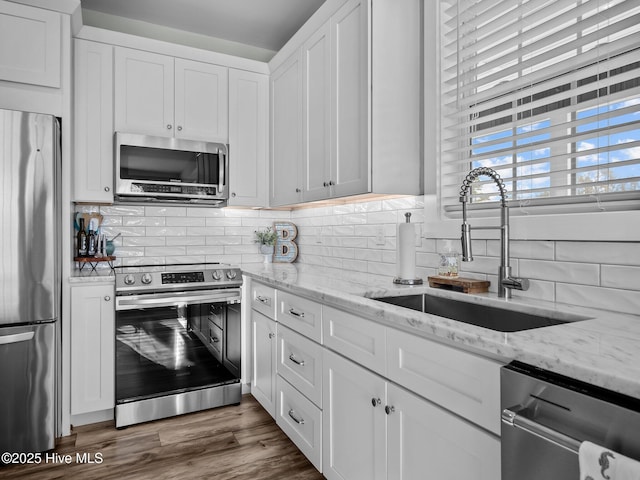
(379, 240)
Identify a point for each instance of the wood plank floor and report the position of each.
(228, 443)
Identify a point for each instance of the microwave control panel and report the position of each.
(172, 189)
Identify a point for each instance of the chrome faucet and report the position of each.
(506, 282)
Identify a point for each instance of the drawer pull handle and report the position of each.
(299, 421)
(296, 361)
(389, 409)
(375, 402)
(265, 300)
(296, 314)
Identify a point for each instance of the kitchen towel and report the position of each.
(406, 251)
(599, 463)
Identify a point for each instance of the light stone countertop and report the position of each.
(101, 275)
(603, 350)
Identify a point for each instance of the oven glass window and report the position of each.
(158, 352)
(160, 165)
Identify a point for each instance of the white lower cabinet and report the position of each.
(301, 420)
(263, 376)
(92, 348)
(354, 422)
(373, 429)
(425, 441)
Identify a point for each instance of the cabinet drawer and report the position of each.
(461, 382)
(301, 315)
(358, 339)
(301, 420)
(263, 299)
(300, 363)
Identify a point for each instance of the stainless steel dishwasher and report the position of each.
(545, 417)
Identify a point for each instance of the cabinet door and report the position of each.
(248, 138)
(144, 91)
(353, 421)
(201, 107)
(425, 441)
(263, 378)
(92, 348)
(316, 115)
(31, 45)
(286, 133)
(93, 148)
(350, 163)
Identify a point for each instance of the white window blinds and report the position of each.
(546, 92)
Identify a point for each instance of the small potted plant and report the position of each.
(266, 240)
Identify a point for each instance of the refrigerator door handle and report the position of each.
(16, 337)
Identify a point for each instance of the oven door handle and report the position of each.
(151, 300)
(511, 417)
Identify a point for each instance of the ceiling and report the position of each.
(266, 24)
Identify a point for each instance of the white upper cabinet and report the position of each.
(201, 101)
(316, 121)
(159, 95)
(361, 97)
(93, 107)
(144, 91)
(31, 45)
(286, 133)
(349, 100)
(248, 138)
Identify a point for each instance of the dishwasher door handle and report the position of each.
(511, 417)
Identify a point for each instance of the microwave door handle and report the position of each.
(222, 169)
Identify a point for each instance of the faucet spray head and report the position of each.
(465, 239)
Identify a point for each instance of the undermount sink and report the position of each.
(494, 318)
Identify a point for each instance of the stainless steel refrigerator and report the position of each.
(29, 279)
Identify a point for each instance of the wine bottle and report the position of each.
(82, 240)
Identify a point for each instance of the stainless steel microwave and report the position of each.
(170, 170)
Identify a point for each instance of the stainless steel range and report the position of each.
(177, 340)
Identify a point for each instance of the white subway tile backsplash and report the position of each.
(166, 251)
(165, 211)
(205, 250)
(131, 221)
(166, 231)
(618, 276)
(143, 241)
(185, 222)
(626, 301)
(184, 240)
(621, 253)
(134, 210)
(566, 272)
(597, 274)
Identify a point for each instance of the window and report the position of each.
(547, 93)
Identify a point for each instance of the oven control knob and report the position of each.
(217, 274)
(231, 274)
(146, 279)
(129, 280)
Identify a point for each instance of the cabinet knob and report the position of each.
(169, 127)
(375, 402)
(233, 194)
(325, 184)
(271, 335)
(107, 189)
(298, 190)
(107, 298)
(331, 183)
(179, 128)
(389, 409)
